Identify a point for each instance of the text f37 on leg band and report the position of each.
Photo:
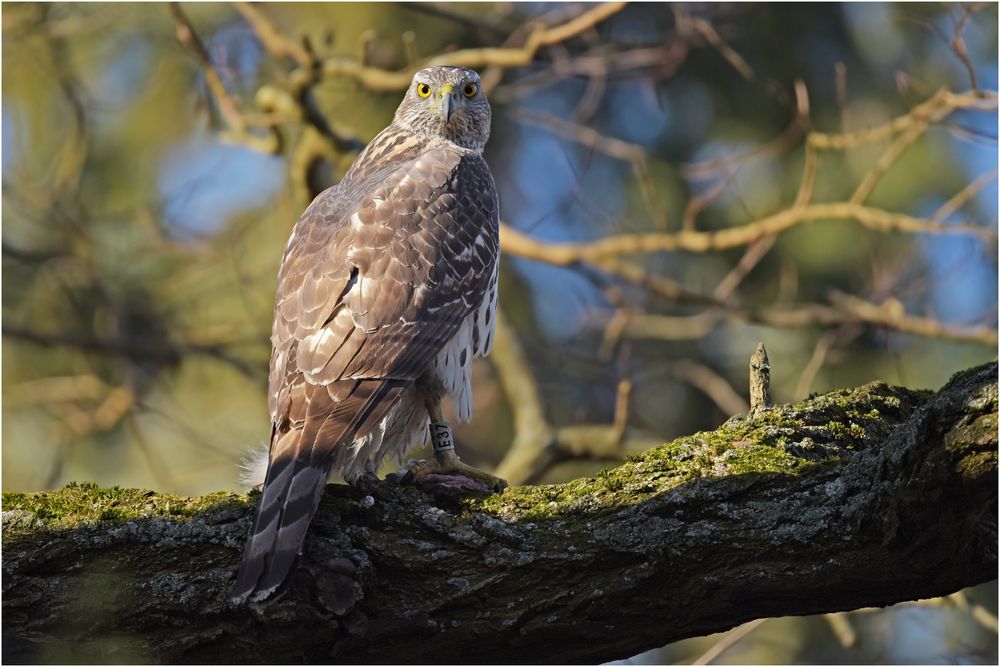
(441, 439)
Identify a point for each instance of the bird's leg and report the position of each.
(447, 470)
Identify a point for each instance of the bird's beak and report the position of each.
(448, 101)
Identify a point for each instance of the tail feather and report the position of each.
(299, 465)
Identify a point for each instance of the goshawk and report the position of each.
(387, 290)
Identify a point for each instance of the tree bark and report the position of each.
(856, 498)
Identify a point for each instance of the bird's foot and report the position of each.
(449, 474)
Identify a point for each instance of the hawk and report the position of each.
(387, 290)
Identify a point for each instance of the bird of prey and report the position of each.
(387, 290)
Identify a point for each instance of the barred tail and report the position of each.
(299, 465)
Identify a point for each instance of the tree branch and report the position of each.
(377, 79)
(569, 253)
(855, 498)
(161, 352)
(846, 309)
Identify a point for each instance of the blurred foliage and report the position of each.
(141, 241)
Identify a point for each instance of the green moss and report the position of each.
(656, 471)
(786, 440)
(77, 504)
(836, 429)
(732, 450)
(972, 373)
(612, 482)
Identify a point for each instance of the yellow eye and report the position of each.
(423, 90)
(470, 90)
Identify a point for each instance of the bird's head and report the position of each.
(449, 103)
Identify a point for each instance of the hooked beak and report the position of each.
(448, 101)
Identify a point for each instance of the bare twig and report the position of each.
(706, 30)
(962, 197)
(810, 164)
(165, 353)
(840, 626)
(655, 284)
(892, 315)
(725, 163)
(751, 258)
(711, 384)
(816, 361)
(888, 158)
(634, 154)
(728, 640)
(876, 219)
(273, 40)
(187, 36)
(760, 379)
(228, 106)
(377, 79)
(699, 203)
(937, 107)
(845, 309)
(584, 135)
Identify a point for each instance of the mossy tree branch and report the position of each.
(855, 498)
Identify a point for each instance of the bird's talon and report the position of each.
(450, 476)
